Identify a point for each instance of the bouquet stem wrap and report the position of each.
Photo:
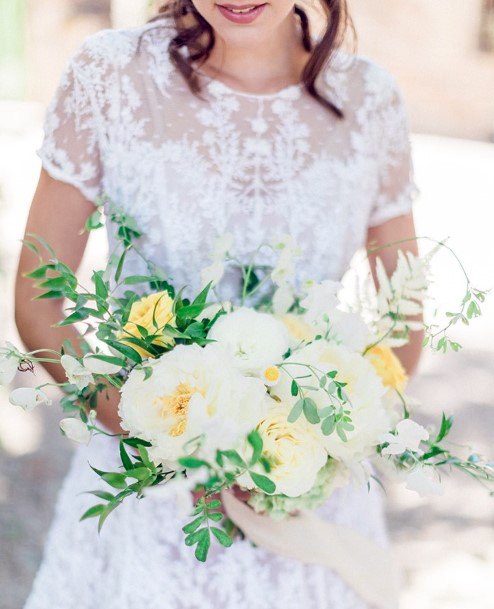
(366, 567)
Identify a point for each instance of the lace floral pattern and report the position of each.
(124, 123)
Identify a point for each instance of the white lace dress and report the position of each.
(124, 123)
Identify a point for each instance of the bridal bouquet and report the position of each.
(288, 393)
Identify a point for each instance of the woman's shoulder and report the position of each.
(118, 48)
(357, 79)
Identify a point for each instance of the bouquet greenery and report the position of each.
(288, 392)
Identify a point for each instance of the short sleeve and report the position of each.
(397, 189)
(70, 150)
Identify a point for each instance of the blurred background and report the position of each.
(442, 54)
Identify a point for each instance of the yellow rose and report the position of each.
(146, 312)
(298, 328)
(388, 367)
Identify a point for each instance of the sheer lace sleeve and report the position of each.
(70, 150)
(397, 187)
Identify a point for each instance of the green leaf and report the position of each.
(125, 350)
(310, 411)
(137, 442)
(94, 511)
(194, 525)
(139, 473)
(72, 318)
(109, 509)
(215, 516)
(234, 457)
(223, 537)
(296, 411)
(294, 389)
(53, 283)
(126, 460)
(328, 425)
(192, 462)
(51, 294)
(201, 298)
(203, 545)
(115, 480)
(255, 440)
(263, 482)
(143, 453)
(102, 495)
(214, 504)
(136, 279)
(446, 425)
(120, 263)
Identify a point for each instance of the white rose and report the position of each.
(408, 436)
(254, 340)
(193, 393)
(364, 389)
(93, 364)
(29, 398)
(77, 374)
(293, 449)
(76, 430)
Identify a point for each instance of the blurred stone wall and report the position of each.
(434, 49)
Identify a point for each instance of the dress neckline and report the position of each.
(217, 84)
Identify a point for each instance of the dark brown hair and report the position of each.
(195, 36)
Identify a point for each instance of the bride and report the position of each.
(211, 118)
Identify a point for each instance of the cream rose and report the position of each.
(364, 389)
(254, 340)
(193, 393)
(294, 451)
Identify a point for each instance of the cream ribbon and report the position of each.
(361, 563)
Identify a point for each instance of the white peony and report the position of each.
(192, 393)
(254, 340)
(76, 430)
(76, 373)
(29, 398)
(294, 451)
(364, 390)
(408, 436)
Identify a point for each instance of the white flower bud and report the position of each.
(77, 374)
(29, 398)
(75, 430)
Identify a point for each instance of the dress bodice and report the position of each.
(123, 122)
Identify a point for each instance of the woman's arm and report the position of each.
(397, 229)
(58, 214)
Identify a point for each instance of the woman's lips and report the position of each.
(248, 14)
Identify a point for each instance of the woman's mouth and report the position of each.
(244, 13)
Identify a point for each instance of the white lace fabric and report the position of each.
(124, 123)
